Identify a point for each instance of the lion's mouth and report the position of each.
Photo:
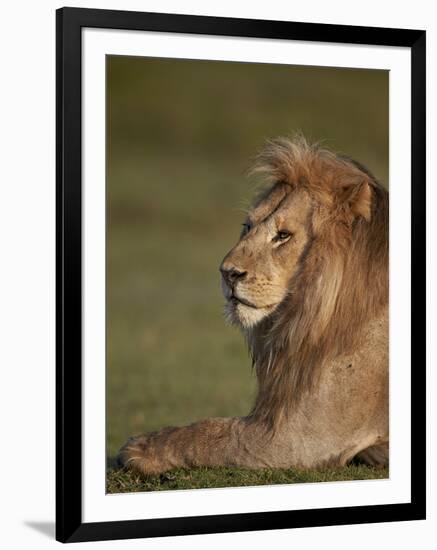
(237, 300)
(234, 299)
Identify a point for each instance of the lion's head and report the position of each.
(311, 262)
(315, 199)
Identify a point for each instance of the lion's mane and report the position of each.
(342, 280)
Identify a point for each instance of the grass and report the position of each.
(120, 481)
(180, 137)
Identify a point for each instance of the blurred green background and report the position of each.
(180, 136)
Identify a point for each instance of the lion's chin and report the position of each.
(245, 316)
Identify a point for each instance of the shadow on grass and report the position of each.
(112, 463)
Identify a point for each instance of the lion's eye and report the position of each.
(282, 236)
(246, 227)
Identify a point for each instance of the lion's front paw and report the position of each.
(138, 454)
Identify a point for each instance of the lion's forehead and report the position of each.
(269, 202)
(287, 206)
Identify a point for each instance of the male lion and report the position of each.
(307, 283)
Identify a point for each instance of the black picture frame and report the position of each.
(69, 24)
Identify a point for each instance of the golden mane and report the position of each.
(342, 280)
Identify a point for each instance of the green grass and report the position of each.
(181, 135)
(120, 481)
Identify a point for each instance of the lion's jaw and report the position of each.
(257, 272)
(239, 312)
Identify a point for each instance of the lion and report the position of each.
(307, 283)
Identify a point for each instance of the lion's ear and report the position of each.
(358, 199)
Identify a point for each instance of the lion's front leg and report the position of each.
(210, 442)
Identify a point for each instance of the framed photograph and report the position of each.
(240, 274)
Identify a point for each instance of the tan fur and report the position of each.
(308, 284)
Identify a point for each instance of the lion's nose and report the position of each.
(232, 275)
